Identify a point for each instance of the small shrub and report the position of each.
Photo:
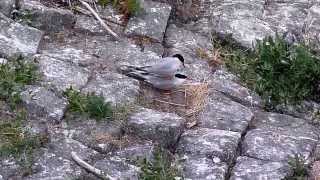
(279, 72)
(90, 104)
(14, 75)
(160, 168)
(127, 7)
(299, 167)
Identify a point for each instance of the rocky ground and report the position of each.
(234, 137)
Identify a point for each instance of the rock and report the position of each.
(45, 18)
(9, 168)
(188, 43)
(228, 86)
(115, 88)
(60, 74)
(315, 170)
(212, 143)
(203, 168)
(3, 61)
(17, 39)
(312, 29)
(152, 23)
(277, 145)
(117, 168)
(6, 7)
(251, 169)
(225, 114)
(41, 102)
(163, 128)
(136, 151)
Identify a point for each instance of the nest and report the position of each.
(187, 100)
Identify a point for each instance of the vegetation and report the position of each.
(299, 167)
(90, 104)
(279, 72)
(17, 142)
(14, 75)
(158, 169)
(128, 7)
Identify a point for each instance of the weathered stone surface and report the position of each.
(276, 145)
(227, 84)
(17, 39)
(9, 168)
(225, 114)
(41, 102)
(203, 168)
(212, 143)
(251, 169)
(115, 88)
(315, 171)
(152, 23)
(6, 7)
(47, 19)
(189, 43)
(164, 128)
(312, 29)
(117, 168)
(60, 74)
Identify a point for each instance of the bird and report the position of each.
(167, 68)
(159, 82)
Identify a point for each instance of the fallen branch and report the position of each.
(90, 168)
(100, 20)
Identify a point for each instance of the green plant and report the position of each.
(279, 72)
(14, 75)
(299, 167)
(90, 104)
(128, 7)
(159, 168)
(17, 142)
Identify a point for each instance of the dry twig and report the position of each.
(100, 20)
(90, 168)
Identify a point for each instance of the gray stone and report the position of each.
(41, 102)
(47, 19)
(3, 61)
(6, 7)
(152, 23)
(213, 143)
(312, 27)
(9, 168)
(164, 128)
(62, 75)
(251, 169)
(225, 114)
(115, 88)
(17, 39)
(203, 168)
(117, 168)
(277, 145)
(188, 43)
(230, 87)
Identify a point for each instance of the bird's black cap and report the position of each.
(181, 76)
(180, 57)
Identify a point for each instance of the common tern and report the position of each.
(167, 68)
(159, 82)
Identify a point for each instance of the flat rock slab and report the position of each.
(117, 168)
(163, 128)
(47, 19)
(203, 168)
(312, 35)
(115, 88)
(17, 39)
(210, 143)
(223, 82)
(41, 102)
(151, 23)
(6, 7)
(276, 145)
(62, 75)
(8, 168)
(252, 169)
(188, 43)
(225, 114)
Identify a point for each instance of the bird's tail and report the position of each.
(133, 72)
